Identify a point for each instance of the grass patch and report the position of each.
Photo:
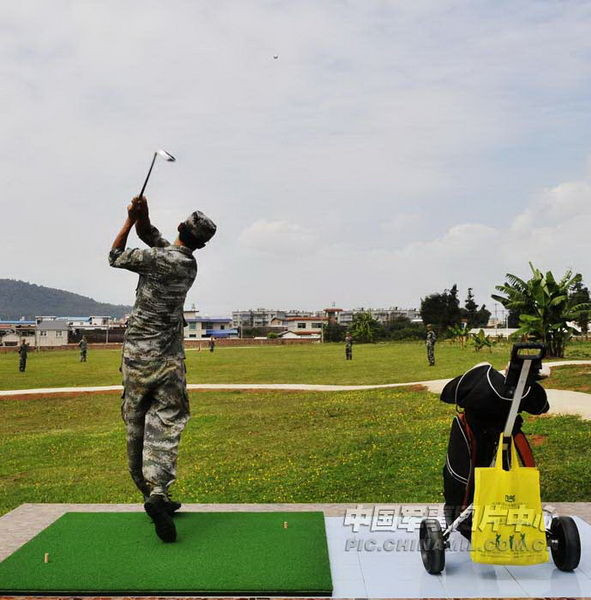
(370, 446)
(388, 362)
(573, 377)
(392, 362)
(579, 349)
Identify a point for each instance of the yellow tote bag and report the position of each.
(508, 522)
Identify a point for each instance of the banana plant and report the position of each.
(544, 306)
(458, 333)
(480, 340)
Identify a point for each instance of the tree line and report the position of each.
(541, 308)
(442, 310)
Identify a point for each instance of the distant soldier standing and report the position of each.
(211, 344)
(430, 343)
(83, 348)
(23, 351)
(349, 347)
(155, 404)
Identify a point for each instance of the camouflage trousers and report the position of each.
(431, 354)
(155, 409)
(22, 363)
(82, 355)
(348, 353)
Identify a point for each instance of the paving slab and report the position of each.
(370, 560)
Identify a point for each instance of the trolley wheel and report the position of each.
(432, 546)
(565, 543)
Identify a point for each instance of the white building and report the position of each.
(304, 327)
(51, 333)
(92, 322)
(500, 332)
(265, 317)
(199, 328)
(383, 315)
(299, 324)
(300, 335)
(37, 335)
(12, 333)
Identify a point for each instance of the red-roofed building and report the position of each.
(309, 327)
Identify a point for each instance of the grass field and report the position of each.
(371, 446)
(394, 362)
(372, 363)
(570, 377)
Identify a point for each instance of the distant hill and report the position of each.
(21, 299)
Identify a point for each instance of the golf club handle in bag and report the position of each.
(526, 364)
(519, 353)
(517, 348)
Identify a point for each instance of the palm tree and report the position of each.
(544, 307)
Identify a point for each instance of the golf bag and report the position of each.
(484, 395)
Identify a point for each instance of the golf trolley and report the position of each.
(562, 535)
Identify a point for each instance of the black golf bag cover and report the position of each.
(475, 432)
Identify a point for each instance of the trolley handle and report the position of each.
(522, 351)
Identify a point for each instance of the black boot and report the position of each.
(172, 506)
(157, 509)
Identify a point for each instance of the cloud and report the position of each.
(552, 232)
(391, 149)
(277, 237)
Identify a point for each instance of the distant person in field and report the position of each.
(23, 351)
(83, 348)
(211, 344)
(430, 343)
(349, 347)
(155, 404)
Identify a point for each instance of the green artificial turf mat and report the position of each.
(215, 553)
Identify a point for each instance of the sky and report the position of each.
(391, 150)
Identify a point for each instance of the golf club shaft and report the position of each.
(148, 175)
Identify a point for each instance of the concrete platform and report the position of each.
(373, 551)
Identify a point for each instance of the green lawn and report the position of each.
(372, 363)
(570, 377)
(392, 362)
(371, 446)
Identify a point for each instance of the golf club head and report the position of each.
(166, 156)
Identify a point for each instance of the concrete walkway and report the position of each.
(561, 401)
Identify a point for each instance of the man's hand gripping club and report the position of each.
(137, 214)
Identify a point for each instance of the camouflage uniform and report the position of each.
(23, 349)
(155, 404)
(83, 349)
(349, 347)
(430, 343)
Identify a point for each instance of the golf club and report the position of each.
(166, 156)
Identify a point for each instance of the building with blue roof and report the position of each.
(200, 327)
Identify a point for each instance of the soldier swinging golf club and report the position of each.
(155, 405)
(166, 156)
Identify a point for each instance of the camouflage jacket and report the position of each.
(431, 338)
(155, 327)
